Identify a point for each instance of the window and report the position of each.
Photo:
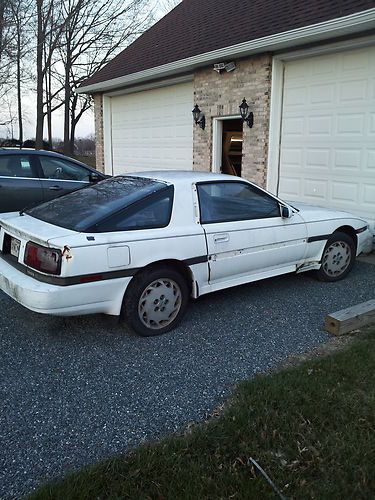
(55, 168)
(153, 212)
(86, 208)
(15, 166)
(233, 201)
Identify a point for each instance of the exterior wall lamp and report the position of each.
(199, 117)
(246, 115)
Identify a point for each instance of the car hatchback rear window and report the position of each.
(88, 206)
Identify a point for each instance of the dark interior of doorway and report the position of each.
(231, 161)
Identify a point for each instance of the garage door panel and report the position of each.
(370, 164)
(315, 189)
(328, 131)
(348, 159)
(153, 130)
(317, 158)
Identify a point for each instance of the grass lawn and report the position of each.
(310, 427)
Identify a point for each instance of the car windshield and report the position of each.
(88, 206)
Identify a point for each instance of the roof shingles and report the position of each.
(198, 26)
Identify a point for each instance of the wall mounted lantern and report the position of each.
(199, 117)
(246, 115)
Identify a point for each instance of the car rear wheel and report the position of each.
(155, 301)
(338, 257)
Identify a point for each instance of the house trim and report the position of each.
(152, 85)
(107, 135)
(217, 140)
(277, 92)
(354, 23)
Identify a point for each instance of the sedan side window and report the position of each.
(55, 168)
(151, 213)
(16, 166)
(234, 201)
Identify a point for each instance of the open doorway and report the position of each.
(227, 146)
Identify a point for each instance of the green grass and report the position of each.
(310, 427)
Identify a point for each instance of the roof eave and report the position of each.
(341, 26)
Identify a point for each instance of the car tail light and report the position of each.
(47, 260)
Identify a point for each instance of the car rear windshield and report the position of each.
(82, 209)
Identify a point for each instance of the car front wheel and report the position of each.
(338, 257)
(155, 301)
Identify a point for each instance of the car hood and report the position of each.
(30, 228)
(311, 213)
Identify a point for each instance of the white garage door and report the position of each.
(328, 131)
(153, 130)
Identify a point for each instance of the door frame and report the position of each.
(217, 140)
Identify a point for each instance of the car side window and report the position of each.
(234, 201)
(16, 166)
(55, 168)
(153, 212)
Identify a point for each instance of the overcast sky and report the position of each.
(86, 124)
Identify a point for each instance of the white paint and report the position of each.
(238, 252)
(118, 256)
(217, 141)
(326, 133)
(152, 129)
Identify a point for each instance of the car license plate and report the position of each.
(15, 247)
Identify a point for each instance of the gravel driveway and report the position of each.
(75, 390)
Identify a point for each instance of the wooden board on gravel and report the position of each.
(351, 318)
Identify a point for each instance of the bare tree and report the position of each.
(165, 6)
(20, 17)
(50, 26)
(95, 30)
(6, 52)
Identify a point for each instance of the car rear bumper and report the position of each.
(86, 298)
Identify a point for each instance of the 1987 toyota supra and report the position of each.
(140, 245)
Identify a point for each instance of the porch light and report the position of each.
(246, 115)
(199, 117)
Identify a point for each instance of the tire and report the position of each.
(155, 301)
(338, 257)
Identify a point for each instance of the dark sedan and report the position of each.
(29, 177)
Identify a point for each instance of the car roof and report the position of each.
(183, 176)
(42, 152)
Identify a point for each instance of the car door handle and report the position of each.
(55, 188)
(221, 238)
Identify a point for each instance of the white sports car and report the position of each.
(138, 246)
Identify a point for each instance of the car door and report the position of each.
(20, 185)
(245, 232)
(62, 176)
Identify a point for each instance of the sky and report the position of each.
(85, 126)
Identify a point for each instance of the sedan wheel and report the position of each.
(338, 257)
(160, 303)
(155, 301)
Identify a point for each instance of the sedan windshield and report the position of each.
(88, 206)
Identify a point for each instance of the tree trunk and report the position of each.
(2, 8)
(39, 83)
(73, 123)
(49, 105)
(68, 65)
(19, 94)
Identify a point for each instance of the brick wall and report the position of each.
(220, 95)
(99, 137)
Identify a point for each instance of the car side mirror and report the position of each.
(94, 177)
(286, 212)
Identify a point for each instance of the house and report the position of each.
(305, 69)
